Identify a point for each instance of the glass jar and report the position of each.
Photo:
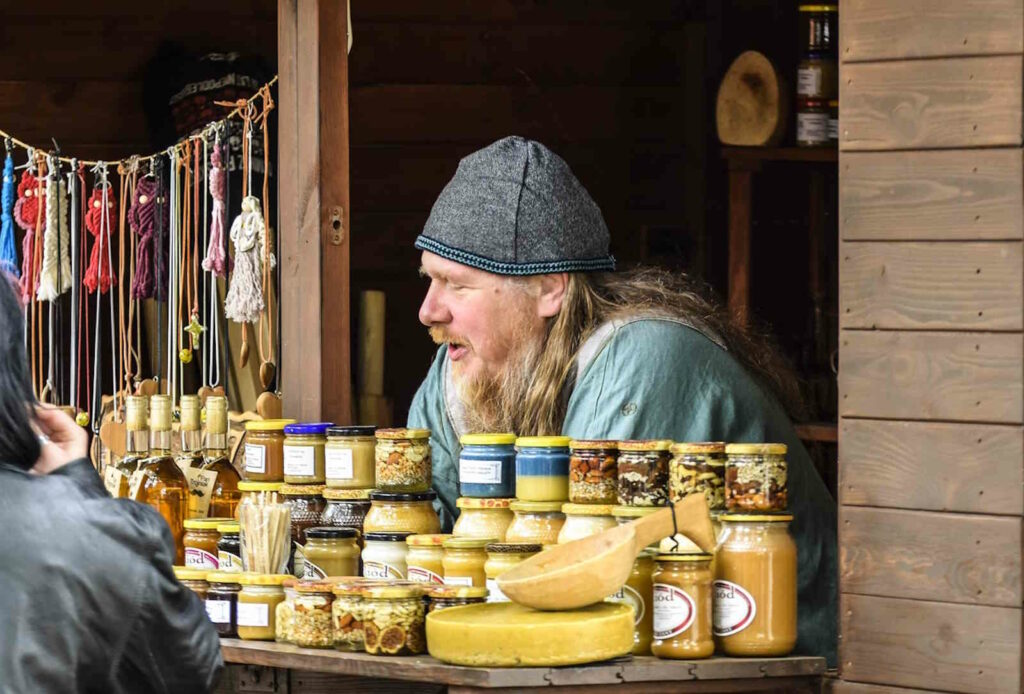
(200, 540)
(385, 555)
(312, 623)
(304, 453)
(193, 579)
(331, 552)
(488, 518)
(403, 460)
(683, 607)
(222, 602)
(424, 559)
(264, 450)
(229, 548)
(402, 512)
(249, 490)
(817, 77)
(535, 522)
(444, 596)
(347, 615)
(833, 122)
(487, 466)
(306, 503)
(542, 468)
(811, 123)
(755, 586)
(643, 472)
(755, 477)
(393, 620)
(628, 514)
(464, 559)
(698, 468)
(285, 612)
(346, 508)
(257, 605)
(681, 544)
(593, 472)
(637, 593)
(348, 457)
(819, 26)
(584, 520)
(502, 556)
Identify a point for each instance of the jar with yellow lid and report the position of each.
(502, 556)
(411, 512)
(424, 558)
(643, 472)
(393, 620)
(698, 468)
(229, 547)
(385, 556)
(312, 625)
(349, 457)
(756, 477)
(683, 607)
(628, 514)
(402, 459)
(755, 587)
(584, 520)
(536, 522)
(304, 452)
(285, 612)
(487, 466)
(464, 559)
(637, 593)
(306, 503)
(488, 518)
(347, 614)
(249, 489)
(257, 605)
(445, 596)
(200, 540)
(542, 468)
(330, 552)
(593, 473)
(264, 450)
(222, 602)
(193, 579)
(346, 508)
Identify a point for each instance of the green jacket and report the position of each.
(656, 378)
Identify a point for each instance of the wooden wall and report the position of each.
(931, 400)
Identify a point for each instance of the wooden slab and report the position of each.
(932, 466)
(923, 104)
(840, 687)
(882, 29)
(962, 194)
(947, 376)
(931, 645)
(931, 285)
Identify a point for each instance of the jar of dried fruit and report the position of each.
(402, 459)
(698, 468)
(592, 472)
(394, 620)
(643, 472)
(312, 625)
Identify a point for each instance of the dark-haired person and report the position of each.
(88, 600)
(539, 336)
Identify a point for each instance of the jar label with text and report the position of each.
(339, 463)
(674, 611)
(227, 561)
(299, 461)
(255, 458)
(312, 571)
(253, 614)
(811, 128)
(479, 471)
(458, 580)
(377, 569)
(200, 491)
(418, 573)
(808, 81)
(200, 559)
(219, 611)
(627, 595)
(112, 478)
(734, 608)
(494, 593)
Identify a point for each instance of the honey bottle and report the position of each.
(116, 476)
(225, 496)
(159, 482)
(191, 455)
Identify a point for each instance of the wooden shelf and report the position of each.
(820, 155)
(827, 432)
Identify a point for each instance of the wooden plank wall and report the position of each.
(931, 403)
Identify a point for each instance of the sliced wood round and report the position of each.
(753, 105)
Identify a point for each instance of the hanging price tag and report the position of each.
(112, 479)
(200, 489)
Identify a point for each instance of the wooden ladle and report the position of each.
(587, 571)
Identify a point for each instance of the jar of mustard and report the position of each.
(683, 607)
(444, 596)
(482, 518)
(200, 540)
(425, 557)
(535, 522)
(628, 514)
(502, 556)
(410, 512)
(264, 450)
(346, 508)
(402, 459)
(643, 472)
(542, 468)
(306, 503)
(464, 559)
(755, 477)
(229, 547)
(487, 466)
(347, 615)
(193, 579)
(312, 624)
(638, 593)
(755, 586)
(393, 620)
(331, 552)
(349, 457)
(222, 602)
(698, 468)
(257, 605)
(593, 472)
(385, 555)
(304, 452)
(584, 520)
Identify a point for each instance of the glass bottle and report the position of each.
(163, 485)
(116, 476)
(225, 496)
(191, 454)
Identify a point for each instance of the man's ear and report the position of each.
(552, 293)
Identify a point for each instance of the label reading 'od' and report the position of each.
(674, 611)
(735, 608)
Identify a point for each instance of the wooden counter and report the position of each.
(256, 666)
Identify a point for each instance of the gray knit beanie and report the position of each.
(515, 208)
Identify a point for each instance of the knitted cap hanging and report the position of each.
(8, 251)
(98, 273)
(244, 300)
(216, 261)
(142, 219)
(30, 205)
(54, 280)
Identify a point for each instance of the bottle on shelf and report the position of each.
(116, 476)
(158, 481)
(225, 495)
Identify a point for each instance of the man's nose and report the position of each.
(433, 309)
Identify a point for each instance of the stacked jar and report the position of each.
(542, 468)
(303, 452)
(264, 450)
(643, 472)
(817, 76)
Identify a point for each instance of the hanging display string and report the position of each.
(267, 317)
(96, 404)
(172, 271)
(74, 364)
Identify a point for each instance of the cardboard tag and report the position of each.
(114, 436)
(112, 478)
(135, 483)
(200, 489)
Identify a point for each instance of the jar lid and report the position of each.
(392, 591)
(487, 439)
(468, 542)
(754, 518)
(692, 556)
(315, 587)
(268, 424)
(537, 506)
(426, 540)
(512, 548)
(251, 579)
(205, 523)
(583, 444)
(386, 537)
(353, 585)
(634, 511)
(187, 573)
(303, 489)
(428, 495)
(308, 428)
(247, 486)
(646, 445)
(587, 509)
(229, 528)
(469, 502)
(819, 8)
(833, 103)
(543, 442)
(351, 431)
(705, 447)
(347, 494)
(332, 533)
(223, 577)
(403, 434)
(756, 449)
(448, 592)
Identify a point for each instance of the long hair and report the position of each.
(593, 299)
(18, 442)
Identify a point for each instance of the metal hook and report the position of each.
(9, 144)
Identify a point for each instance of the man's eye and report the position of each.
(455, 287)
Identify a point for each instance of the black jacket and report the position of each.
(88, 599)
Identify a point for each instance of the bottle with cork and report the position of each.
(116, 476)
(225, 495)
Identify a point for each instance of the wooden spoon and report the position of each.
(587, 571)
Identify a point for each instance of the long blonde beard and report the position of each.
(497, 402)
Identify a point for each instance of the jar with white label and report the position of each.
(384, 555)
(812, 123)
(349, 457)
(229, 547)
(306, 506)
(424, 560)
(304, 453)
(464, 559)
(637, 593)
(487, 466)
(817, 77)
(222, 602)
(200, 541)
(264, 450)
(682, 607)
(257, 605)
(502, 556)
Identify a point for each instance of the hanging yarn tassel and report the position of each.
(244, 300)
(26, 213)
(98, 274)
(216, 261)
(8, 252)
(142, 220)
(56, 240)
(161, 245)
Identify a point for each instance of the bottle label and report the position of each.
(200, 491)
(812, 128)
(479, 471)
(112, 478)
(458, 580)
(418, 573)
(735, 608)
(311, 570)
(219, 611)
(299, 461)
(255, 458)
(253, 614)
(378, 569)
(627, 595)
(135, 484)
(808, 81)
(494, 593)
(229, 562)
(338, 462)
(674, 611)
(200, 559)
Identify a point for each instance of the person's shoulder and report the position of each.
(647, 341)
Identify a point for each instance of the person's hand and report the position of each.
(62, 440)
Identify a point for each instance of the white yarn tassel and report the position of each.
(57, 234)
(244, 301)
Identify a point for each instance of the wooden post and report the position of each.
(740, 175)
(316, 378)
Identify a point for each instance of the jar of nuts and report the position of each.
(592, 472)
(402, 459)
(394, 620)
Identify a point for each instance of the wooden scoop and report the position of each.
(587, 571)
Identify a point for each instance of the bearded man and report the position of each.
(539, 336)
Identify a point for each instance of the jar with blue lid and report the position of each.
(542, 468)
(304, 452)
(487, 466)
